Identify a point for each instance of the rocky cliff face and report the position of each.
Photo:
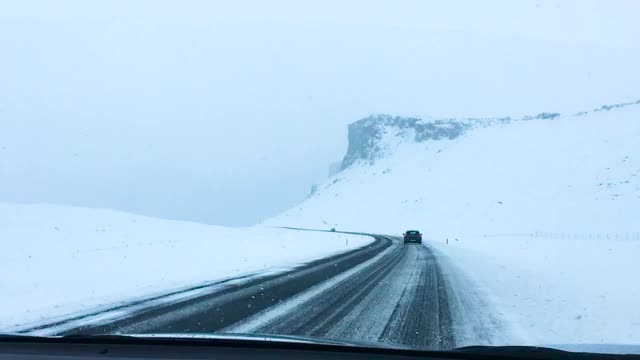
(365, 134)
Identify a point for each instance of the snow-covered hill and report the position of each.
(571, 174)
(541, 212)
(59, 260)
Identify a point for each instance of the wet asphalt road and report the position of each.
(385, 292)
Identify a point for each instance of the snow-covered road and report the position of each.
(386, 292)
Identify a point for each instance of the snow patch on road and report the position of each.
(263, 318)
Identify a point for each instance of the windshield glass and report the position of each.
(250, 167)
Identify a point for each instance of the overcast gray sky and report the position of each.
(226, 112)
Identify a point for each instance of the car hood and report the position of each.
(590, 348)
(550, 351)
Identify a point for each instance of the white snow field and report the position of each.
(57, 260)
(543, 216)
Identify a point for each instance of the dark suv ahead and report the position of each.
(412, 236)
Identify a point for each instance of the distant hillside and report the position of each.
(548, 172)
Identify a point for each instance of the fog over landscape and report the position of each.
(227, 113)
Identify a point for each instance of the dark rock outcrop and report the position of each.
(365, 134)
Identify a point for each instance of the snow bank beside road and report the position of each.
(58, 260)
(555, 291)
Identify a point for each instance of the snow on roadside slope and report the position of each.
(58, 260)
(542, 215)
(555, 291)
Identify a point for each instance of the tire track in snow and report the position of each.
(386, 292)
(399, 298)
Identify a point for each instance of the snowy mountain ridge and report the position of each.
(365, 134)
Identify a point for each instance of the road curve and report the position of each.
(385, 292)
